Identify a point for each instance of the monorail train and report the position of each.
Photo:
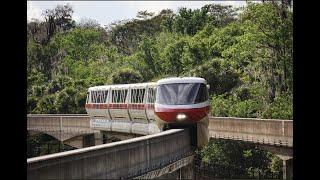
(148, 108)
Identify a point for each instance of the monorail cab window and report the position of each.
(181, 93)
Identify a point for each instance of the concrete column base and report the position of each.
(287, 168)
(98, 138)
(186, 172)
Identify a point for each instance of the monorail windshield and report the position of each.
(181, 93)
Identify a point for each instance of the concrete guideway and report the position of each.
(124, 159)
(261, 131)
(273, 135)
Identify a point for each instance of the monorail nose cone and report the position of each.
(181, 117)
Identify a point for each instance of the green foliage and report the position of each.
(248, 101)
(173, 53)
(80, 101)
(276, 163)
(189, 21)
(46, 105)
(237, 156)
(265, 47)
(220, 106)
(126, 76)
(149, 55)
(281, 108)
(220, 78)
(65, 101)
(31, 104)
(80, 44)
(247, 108)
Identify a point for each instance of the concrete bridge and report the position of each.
(273, 135)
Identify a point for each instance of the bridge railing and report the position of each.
(265, 131)
(59, 122)
(123, 159)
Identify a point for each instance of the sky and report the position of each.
(106, 12)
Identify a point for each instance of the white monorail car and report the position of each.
(145, 108)
(122, 108)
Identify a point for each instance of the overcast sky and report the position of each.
(106, 12)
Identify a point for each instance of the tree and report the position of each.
(173, 53)
(266, 44)
(89, 23)
(127, 34)
(220, 78)
(46, 105)
(150, 55)
(189, 22)
(65, 101)
(144, 14)
(220, 15)
(58, 18)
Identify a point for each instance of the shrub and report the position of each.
(126, 76)
(280, 108)
(46, 105)
(246, 109)
(65, 102)
(220, 105)
(31, 104)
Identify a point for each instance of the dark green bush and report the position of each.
(46, 105)
(126, 76)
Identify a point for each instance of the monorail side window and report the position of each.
(105, 96)
(98, 96)
(119, 96)
(137, 95)
(101, 96)
(87, 100)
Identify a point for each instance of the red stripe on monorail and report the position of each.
(150, 106)
(137, 106)
(194, 114)
(119, 106)
(96, 106)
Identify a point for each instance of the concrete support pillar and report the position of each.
(287, 168)
(98, 138)
(186, 172)
(88, 140)
(104, 137)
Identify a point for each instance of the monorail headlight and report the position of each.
(181, 117)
